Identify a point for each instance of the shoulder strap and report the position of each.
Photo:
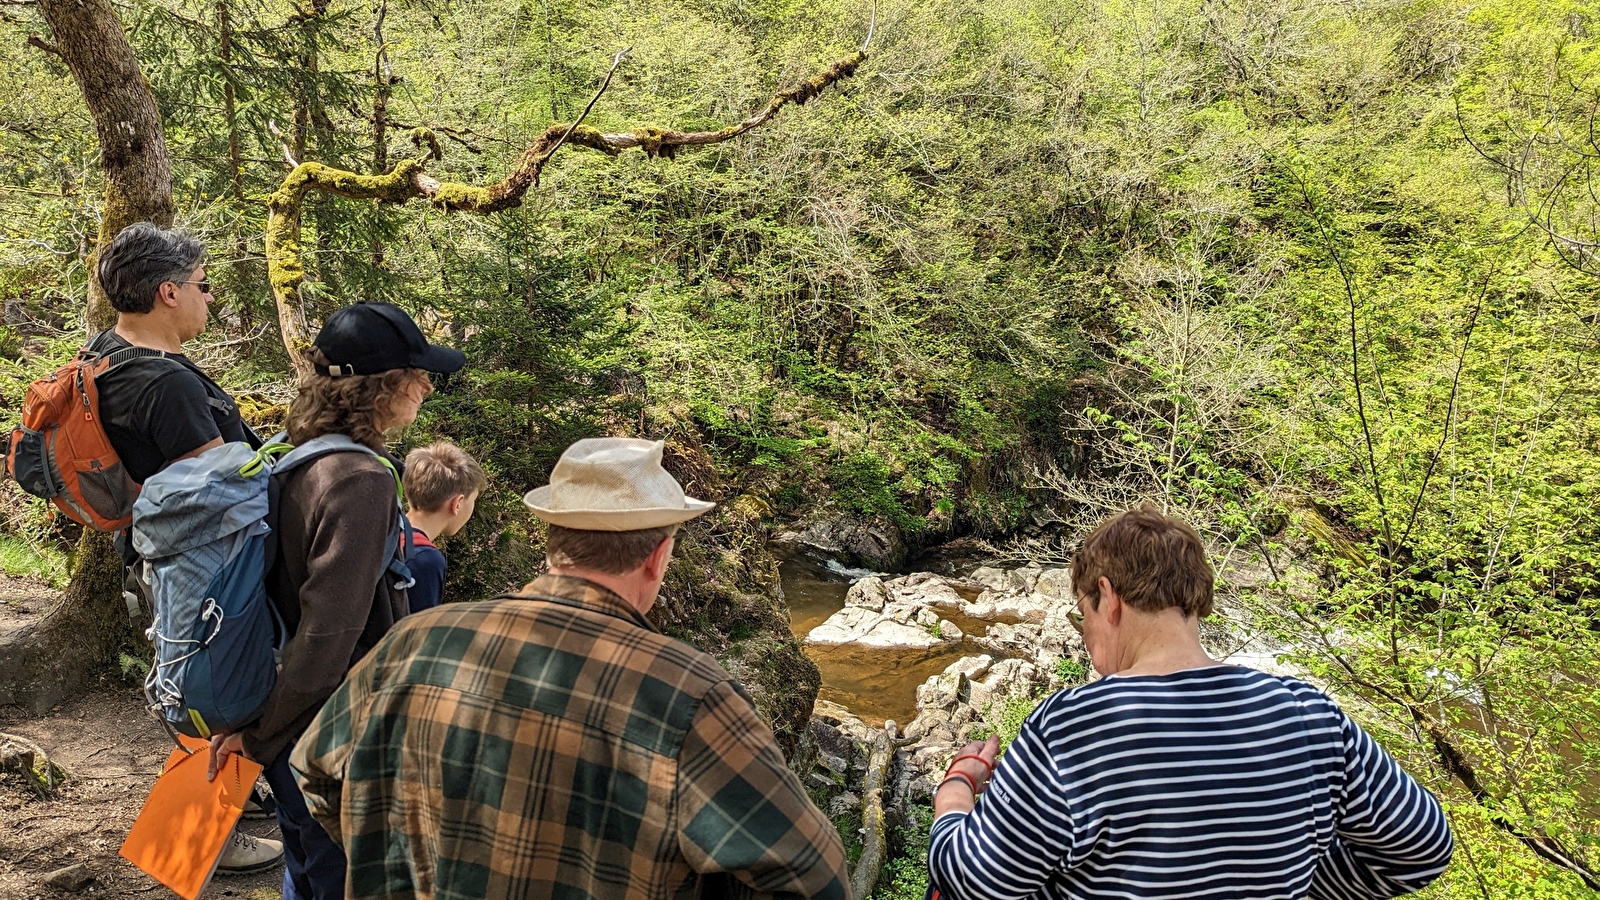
(339, 443)
(117, 358)
(321, 446)
(397, 567)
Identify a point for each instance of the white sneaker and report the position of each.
(244, 853)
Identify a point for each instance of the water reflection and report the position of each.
(874, 684)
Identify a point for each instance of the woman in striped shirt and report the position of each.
(1176, 775)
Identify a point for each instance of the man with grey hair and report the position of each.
(552, 742)
(159, 407)
(156, 405)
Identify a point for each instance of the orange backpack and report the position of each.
(61, 452)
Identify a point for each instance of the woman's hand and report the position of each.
(223, 746)
(966, 777)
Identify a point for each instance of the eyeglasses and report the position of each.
(1076, 618)
(205, 286)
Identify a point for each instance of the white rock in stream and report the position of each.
(868, 592)
(865, 627)
(914, 612)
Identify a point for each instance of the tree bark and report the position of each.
(874, 841)
(133, 149)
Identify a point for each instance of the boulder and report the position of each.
(863, 627)
(1056, 583)
(1029, 607)
(943, 691)
(996, 579)
(868, 593)
(872, 542)
(1027, 576)
(1005, 680)
(972, 666)
(925, 589)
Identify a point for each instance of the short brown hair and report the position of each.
(612, 552)
(354, 405)
(1153, 560)
(439, 471)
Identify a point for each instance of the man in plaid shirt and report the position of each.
(552, 743)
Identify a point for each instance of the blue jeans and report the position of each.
(313, 865)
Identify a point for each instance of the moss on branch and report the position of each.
(406, 180)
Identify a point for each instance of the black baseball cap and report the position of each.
(369, 338)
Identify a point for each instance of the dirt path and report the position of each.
(112, 751)
(23, 600)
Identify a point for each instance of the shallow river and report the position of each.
(874, 684)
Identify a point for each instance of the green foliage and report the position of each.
(905, 875)
(1071, 671)
(134, 668)
(1009, 717)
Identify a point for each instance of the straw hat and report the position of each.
(613, 484)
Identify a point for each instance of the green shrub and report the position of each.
(905, 876)
(1071, 671)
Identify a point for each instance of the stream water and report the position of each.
(874, 684)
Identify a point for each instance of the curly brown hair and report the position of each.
(358, 406)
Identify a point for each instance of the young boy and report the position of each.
(442, 484)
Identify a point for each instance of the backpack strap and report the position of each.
(118, 358)
(339, 443)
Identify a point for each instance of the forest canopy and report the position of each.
(1319, 276)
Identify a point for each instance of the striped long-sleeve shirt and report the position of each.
(1220, 782)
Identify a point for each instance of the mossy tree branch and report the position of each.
(407, 180)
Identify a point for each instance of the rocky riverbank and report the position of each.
(1023, 647)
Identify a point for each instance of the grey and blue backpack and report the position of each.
(205, 527)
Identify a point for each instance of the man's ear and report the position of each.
(655, 565)
(454, 503)
(167, 294)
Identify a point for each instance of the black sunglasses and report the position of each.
(205, 286)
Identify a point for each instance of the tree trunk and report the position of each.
(133, 150)
(72, 645)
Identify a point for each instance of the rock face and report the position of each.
(870, 542)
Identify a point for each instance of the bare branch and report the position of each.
(36, 41)
(615, 61)
(872, 25)
(288, 155)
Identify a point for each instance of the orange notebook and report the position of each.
(186, 820)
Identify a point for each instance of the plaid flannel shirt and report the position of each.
(554, 744)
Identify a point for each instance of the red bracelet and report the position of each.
(986, 764)
(952, 776)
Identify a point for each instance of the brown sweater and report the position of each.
(334, 517)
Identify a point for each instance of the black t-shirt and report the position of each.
(155, 410)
